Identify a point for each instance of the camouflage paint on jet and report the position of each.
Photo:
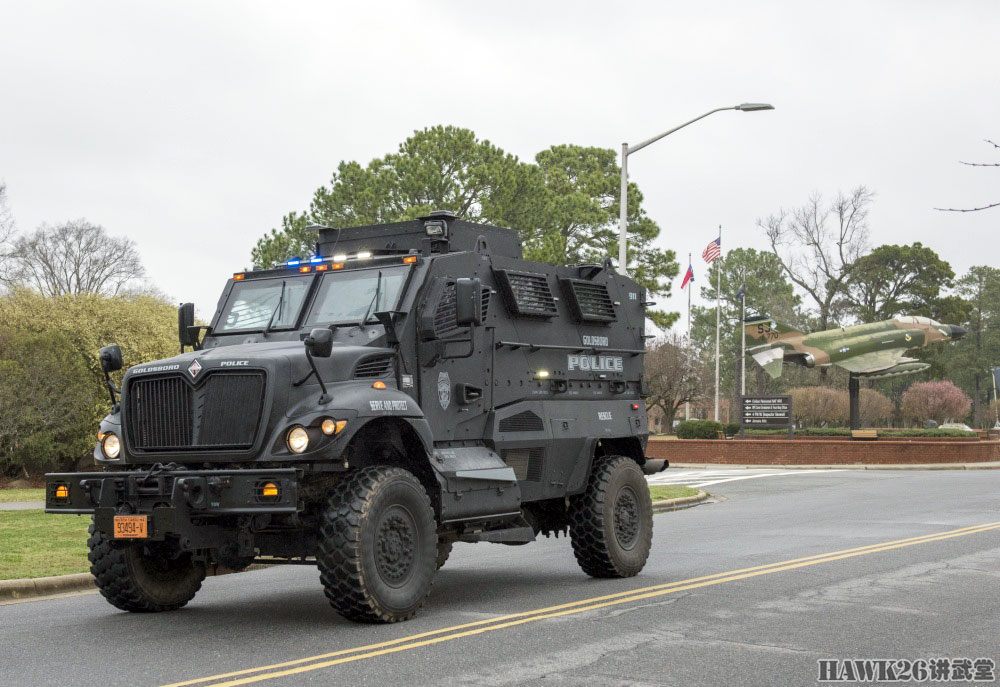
(870, 350)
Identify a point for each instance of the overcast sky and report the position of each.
(193, 127)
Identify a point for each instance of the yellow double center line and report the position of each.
(447, 634)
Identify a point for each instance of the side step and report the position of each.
(511, 535)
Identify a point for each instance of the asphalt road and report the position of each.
(699, 617)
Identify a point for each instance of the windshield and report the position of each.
(251, 304)
(345, 297)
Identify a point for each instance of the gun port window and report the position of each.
(256, 304)
(354, 297)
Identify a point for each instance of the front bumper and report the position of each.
(175, 499)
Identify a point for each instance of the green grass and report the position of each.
(8, 495)
(660, 492)
(34, 544)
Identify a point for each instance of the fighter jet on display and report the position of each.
(868, 350)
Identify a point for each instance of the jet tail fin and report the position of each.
(765, 329)
(771, 360)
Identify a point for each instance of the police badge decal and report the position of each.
(444, 390)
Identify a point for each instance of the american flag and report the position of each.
(713, 250)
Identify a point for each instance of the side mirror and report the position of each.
(185, 322)
(468, 302)
(111, 358)
(319, 343)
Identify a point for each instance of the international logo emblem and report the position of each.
(194, 368)
(444, 390)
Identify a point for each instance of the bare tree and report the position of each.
(977, 164)
(818, 245)
(673, 375)
(6, 234)
(74, 257)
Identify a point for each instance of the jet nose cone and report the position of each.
(957, 332)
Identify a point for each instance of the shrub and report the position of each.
(51, 344)
(940, 401)
(699, 429)
(732, 428)
(875, 409)
(819, 405)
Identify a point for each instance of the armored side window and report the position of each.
(527, 294)
(446, 313)
(589, 301)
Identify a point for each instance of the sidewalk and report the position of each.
(22, 505)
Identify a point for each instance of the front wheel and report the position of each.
(142, 578)
(378, 545)
(611, 523)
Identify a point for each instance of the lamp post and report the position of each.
(628, 150)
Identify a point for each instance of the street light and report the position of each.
(628, 150)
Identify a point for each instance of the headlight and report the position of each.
(297, 440)
(111, 446)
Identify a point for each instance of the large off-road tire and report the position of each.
(140, 577)
(378, 545)
(611, 523)
(443, 551)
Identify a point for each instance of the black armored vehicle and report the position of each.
(409, 386)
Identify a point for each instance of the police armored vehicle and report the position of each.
(410, 386)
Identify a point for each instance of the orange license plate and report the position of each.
(131, 526)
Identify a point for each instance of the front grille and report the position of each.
(167, 414)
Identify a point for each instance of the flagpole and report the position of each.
(993, 374)
(687, 404)
(718, 296)
(743, 343)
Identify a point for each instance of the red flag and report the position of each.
(688, 276)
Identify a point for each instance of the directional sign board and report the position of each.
(764, 412)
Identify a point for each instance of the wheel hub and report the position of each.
(626, 514)
(394, 547)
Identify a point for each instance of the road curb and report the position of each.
(38, 588)
(679, 503)
(844, 466)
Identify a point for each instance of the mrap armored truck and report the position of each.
(409, 386)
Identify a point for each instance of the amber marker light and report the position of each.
(305, 269)
(331, 426)
(337, 266)
(378, 385)
(410, 260)
(322, 268)
(239, 277)
(269, 490)
(62, 491)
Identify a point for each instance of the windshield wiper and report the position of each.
(378, 290)
(281, 299)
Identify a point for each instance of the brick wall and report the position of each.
(822, 452)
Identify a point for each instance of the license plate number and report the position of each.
(131, 526)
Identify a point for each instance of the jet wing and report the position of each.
(771, 359)
(871, 362)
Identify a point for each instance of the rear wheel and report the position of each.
(378, 545)
(611, 523)
(140, 577)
